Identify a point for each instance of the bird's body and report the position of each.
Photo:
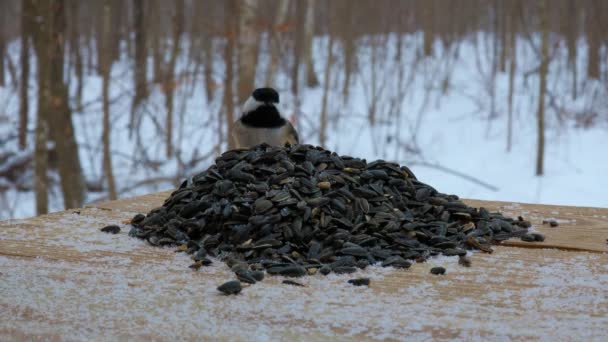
(261, 122)
(246, 136)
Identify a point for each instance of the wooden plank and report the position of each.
(89, 295)
(580, 228)
(61, 278)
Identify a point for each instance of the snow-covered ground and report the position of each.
(430, 113)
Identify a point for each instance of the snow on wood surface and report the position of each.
(61, 278)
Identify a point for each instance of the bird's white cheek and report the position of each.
(250, 105)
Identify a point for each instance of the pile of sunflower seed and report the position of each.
(301, 209)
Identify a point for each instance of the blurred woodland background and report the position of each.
(108, 98)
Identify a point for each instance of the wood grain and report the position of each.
(62, 279)
(580, 228)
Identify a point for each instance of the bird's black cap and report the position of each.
(266, 95)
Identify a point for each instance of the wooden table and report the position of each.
(63, 279)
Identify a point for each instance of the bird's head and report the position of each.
(261, 97)
(260, 109)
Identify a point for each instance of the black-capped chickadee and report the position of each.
(261, 122)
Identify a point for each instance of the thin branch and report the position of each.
(455, 173)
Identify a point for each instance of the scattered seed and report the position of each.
(230, 288)
(196, 265)
(294, 283)
(359, 281)
(551, 222)
(439, 270)
(112, 229)
(528, 238)
(245, 276)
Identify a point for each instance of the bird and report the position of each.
(261, 122)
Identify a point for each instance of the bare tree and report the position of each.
(349, 48)
(592, 24)
(428, 17)
(571, 19)
(49, 43)
(75, 53)
(106, 68)
(39, 33)
(208, 69)
(2, 43)
(156, 38)
(297, 50)
(41, 162)
(207, 42)
(512, 47)
(275, 38)
(544, 68)
(501, 17)
(247, 48)
(230, 32)
(170, 82)
(326, 81)
(25, 73)
(309, 24)
(141, 60)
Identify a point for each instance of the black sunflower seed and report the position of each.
(112, 229)
(438, 270)
(300, 210)
(230, 288)
(359, 281)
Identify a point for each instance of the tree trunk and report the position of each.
(544, 67)
(106, 68)
(141, 60)
(39, 34)
(349, 50)
(501, 12)
(247, 57)
(40, 161)
(75, 51)
(206, 42)
(169, 83)
(571, 18)
(326, 81)
(49, 43)
(311, 75)
(117, 9)
(512, 44)
(107, 157)
(62, 131)
(156, 40)
(593, 41)
(25, 73)
(90, 48)
(275, 36)
(98, 39)
(428, 28)
(2, 46)
(229, 78)
(208, 68)
(297, 50)
(373, 102)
